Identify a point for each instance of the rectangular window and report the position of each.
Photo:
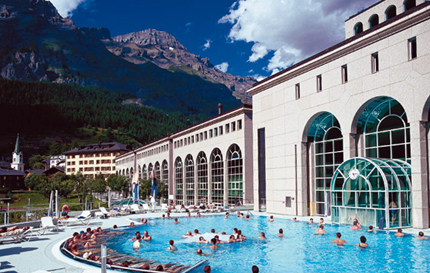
(239, 124)
(344, 70)
(288, 201)
(197, 138)
(216, 131)
(412, 48)
(220, 130)
(319, 83)
(297, 91)
(227, 128)
(206, 135)
(375, 62)
(233, 126)
(192, 139)
(210, 133)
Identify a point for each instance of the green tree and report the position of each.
(54, 148)
(33, 181)
(99, 185)
(36, 161)
(144, 188)
(118, 183)
(81, 185)
(63, 184)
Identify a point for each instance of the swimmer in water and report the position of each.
(271, 219)
(171, 246)
(281, 233)
(363, 243)
(399, 233)
(321, 230)
(338, 240)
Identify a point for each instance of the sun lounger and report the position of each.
(103, 213)
(19, 235)
(46, 223)
(83, 219)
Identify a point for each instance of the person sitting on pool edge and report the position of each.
(338, 240)
(321, 230)
(399, 233)
(363, 243)
(421, 236)
(281, 233)
(171, 246)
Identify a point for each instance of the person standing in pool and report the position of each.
(271, 219)
(255, 269)
(363, 243)
(207, 269)
(171, 246)
(262, 236)
(213, 244)
(136, 243)
(281, 233)
(176, 221)
(338, 240)
(399, 233)
(146, 236)
(321, 230)
(421, 236)
(311, 221)
(370, 229)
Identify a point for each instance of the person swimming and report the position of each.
(262, 236)
(176, 221)
(399, 233)
(188, 235)
(231, 239)
(213, 244)
(363, 243)
(281, 233)
(311, 221)
(421, 236)
(338, 240)
(171, 246)
(202, 240)
(271, 219)
(321, 230)
(370, 229)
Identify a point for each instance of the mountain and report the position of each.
(39, 45)
(164, 50)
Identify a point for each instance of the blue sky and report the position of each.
(244, 37)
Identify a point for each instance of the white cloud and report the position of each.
(207, 45)
(222, 67)
(290, 29)
(66, 7)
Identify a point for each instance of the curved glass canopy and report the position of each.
(375, 191)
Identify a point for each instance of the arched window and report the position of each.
(144, 172)
(189, 180)
(157, 170)
(217, 175)
(358, 28)
(140, 171)
(408, 4)
(165, 177)
(326, 135)
(373, 20)
(179, 181)
(386, 130)
(131, 172)
(235, 175)
(150, 168)
(202, 178)
(390, 12)
(127, 173)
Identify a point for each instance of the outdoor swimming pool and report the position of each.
(299, 251)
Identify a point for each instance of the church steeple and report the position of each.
(17, 145)
(17, 157)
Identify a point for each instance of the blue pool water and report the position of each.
(299, 251)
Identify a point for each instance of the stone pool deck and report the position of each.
(41, 254)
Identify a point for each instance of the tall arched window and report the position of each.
(235, 175)
(408, 4)
(179, 181)
(390, 12)
(358, 28)
(373, 20)
(189, 180)
(150, 168)
(144, 172)
(386, 130)
(157, 170)
(165, 177)
(202, 178)
(217, 175)
(140, 171)
(326, 135)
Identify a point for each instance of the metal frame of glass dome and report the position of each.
(370, 188)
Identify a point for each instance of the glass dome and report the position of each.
(375, 191)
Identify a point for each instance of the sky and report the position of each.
(245, 37)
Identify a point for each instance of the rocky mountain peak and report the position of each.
(151, 37)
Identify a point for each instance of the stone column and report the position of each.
(420, 179)
(209, 181)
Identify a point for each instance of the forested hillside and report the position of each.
(84, 114)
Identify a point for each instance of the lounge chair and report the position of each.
(135, 208)
(145, 207)
(103, 213)
(46, 223)
(83, 219)
(19, 235)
